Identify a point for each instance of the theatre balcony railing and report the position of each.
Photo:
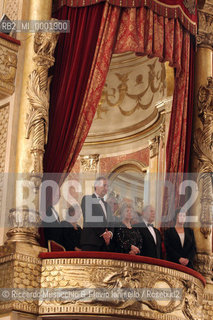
(96, 285)
(8, 64)
(117, 286)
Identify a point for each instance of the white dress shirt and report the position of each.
(102, 205)
(182, 237)
(151, 230)
(55, 213)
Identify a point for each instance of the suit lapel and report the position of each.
(187, 239)
(178, 238)
(150, 235)
(157, 237)
(100, 209)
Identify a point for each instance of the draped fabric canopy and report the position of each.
(185, 11)
(82, 62)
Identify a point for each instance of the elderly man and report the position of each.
(98, 219)
(151, 236)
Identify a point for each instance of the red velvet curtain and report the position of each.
(142, 31)
(99, 70)
(185, 11)
(74, 57)
(82, 63)
(190, 105)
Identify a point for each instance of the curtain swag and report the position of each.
(185, 11)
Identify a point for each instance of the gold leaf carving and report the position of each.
(90, 163)
(8, 61)
(205, 24)
(114, 276)
(38, 96)
(203, 148)
(8, 66)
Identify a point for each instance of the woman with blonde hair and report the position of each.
(127, 239)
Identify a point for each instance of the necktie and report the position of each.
(149, 224)
(102, 199)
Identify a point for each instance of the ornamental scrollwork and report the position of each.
(114, 97)
(116, 279)
(193, 298)
(90, 163)
(8, 61)
(38, 96)
(204, 265)
(205, 25)
(154, 146)
(203, 148)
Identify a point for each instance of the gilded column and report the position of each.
(33, 126)
(202, 156)
(20, 267)
(153, 169)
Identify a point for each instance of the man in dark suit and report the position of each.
(51, 226)
(98, 219)
(151, 236)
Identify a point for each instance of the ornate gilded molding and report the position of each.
(154, 146)
(24, 225)
(8, 63)
(203, 148)
(204, 265)
(11, 9)
(113, 276)
(163, 131)
(205, 25)
(19, 271)
(89, 163)
(208, 305)
(24, 220)
(38, 96)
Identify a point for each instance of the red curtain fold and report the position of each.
(74, 58)
(177, 150)
(190, 104)
(179, 138)
(82, 63)
(99, 70)
(75, 94)
(141, 30)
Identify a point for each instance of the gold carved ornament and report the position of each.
(8, 60)
(24, 220)
(205, 24)
(90, 162)
(116, 278)
(203, 147)
(38, 96)
(122, 89)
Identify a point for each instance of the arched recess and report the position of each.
(127, 182)
(127, 165)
